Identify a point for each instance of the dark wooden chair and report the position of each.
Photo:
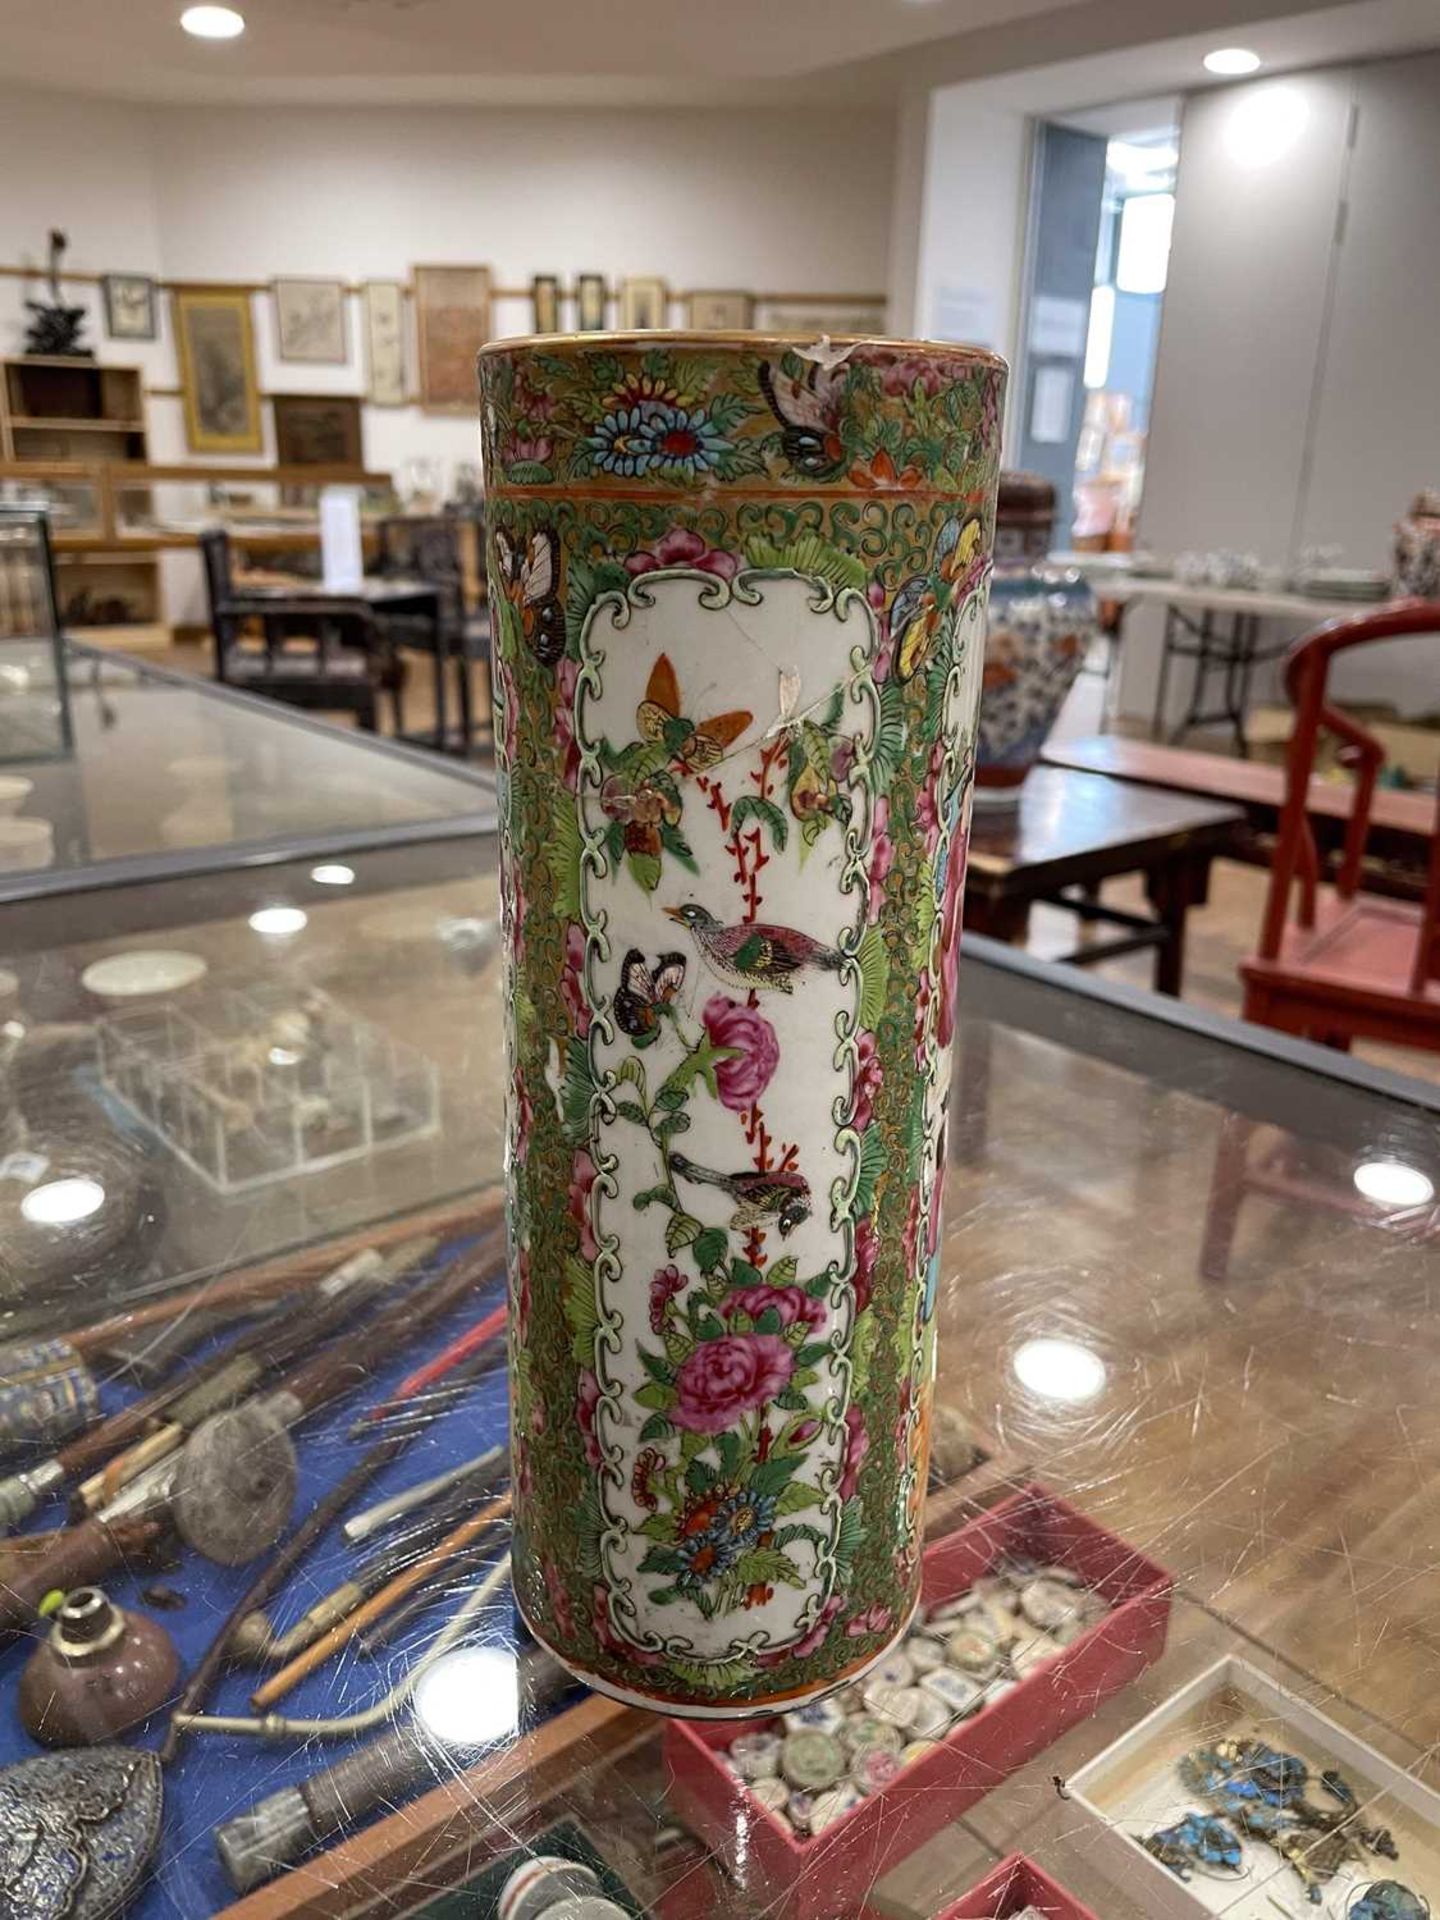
(311, 651)
(1344, 965)
(432, 548)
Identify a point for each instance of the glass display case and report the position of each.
(1184, 1377)
(34, 696)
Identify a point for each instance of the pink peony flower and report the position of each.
(867, 1252)
(791, 1303)
(567, 675)
(609, 1640)
(520, 1292)
(950, 917)
(724, 1378)
(924, 998)
(876, 1619)
(572, 980)
(912, 1229)
(587, 1399)
(681, 548)
(561, 1611)
(882, 857)
(807, 1644)
(899, 378)
(665, 1283)
(869, 1078)
(519, 451)
(857, 1445)
(582, 1179)
(805, 1431)
(744, 1077)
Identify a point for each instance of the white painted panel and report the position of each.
(1377, 434)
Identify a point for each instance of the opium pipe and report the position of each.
(76, 1557)
(269, 1278)
(390, 1595)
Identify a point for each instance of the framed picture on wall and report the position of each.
(775, 316)
(317, 430)
(384, 302)
(130, 309)
(591, 300)
(644, 303)
(722, 312)
(310, 321)
(545, 303)
(452, 323)
(215, 344)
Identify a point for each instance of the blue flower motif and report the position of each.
(684, 440)
(721, 1529)
(620, 442)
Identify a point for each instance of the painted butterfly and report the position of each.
(532, 584)
(808, 410)
(698, 744)
(643, 997)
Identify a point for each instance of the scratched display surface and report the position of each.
(1163, 1297)
(217, 1777)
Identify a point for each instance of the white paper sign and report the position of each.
(1050, 405)
(342, 557)
(965, 314)
(1058, 325)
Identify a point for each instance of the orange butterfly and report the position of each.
(700, 744)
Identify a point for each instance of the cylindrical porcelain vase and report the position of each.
(738, 594)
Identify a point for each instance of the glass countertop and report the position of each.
(171, 775)
(1188, 1271)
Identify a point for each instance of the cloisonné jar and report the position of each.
(1040, 623)
(738, 593)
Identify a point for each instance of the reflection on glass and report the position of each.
(280, 920)
(1059, 1370)
(60, 1203)
(1390, 1183)
(469, 1697)
(333, 873)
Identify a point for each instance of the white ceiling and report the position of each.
(605, 53)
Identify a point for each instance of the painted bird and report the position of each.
(760, 1198)
(754, 955)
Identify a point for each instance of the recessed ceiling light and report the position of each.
(60, 1203)
(213, 23)
(1390, 1183)
(1232, 61)
(282, 920)
(1059, 1370)
(333, 874)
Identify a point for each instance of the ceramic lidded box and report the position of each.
(738, 589)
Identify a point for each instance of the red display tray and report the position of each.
(814, 1879)
(1017, 1883)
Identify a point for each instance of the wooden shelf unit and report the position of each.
(58, 408)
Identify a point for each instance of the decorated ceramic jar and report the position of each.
(1417, 547)
(738, 591)
(1041, 622)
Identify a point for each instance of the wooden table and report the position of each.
(1075, 830)
(1401, 824)
(1219, 629)
(383, 597)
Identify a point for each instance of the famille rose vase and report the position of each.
(1040, 623)
(738, 593)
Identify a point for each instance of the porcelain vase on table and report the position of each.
(1040, 624)
(738, 592)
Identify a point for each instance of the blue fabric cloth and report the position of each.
(215, 1778)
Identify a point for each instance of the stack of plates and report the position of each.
(1344, 583)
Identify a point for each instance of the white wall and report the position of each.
(972, 222)
(1297, 396)
(776, 201)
